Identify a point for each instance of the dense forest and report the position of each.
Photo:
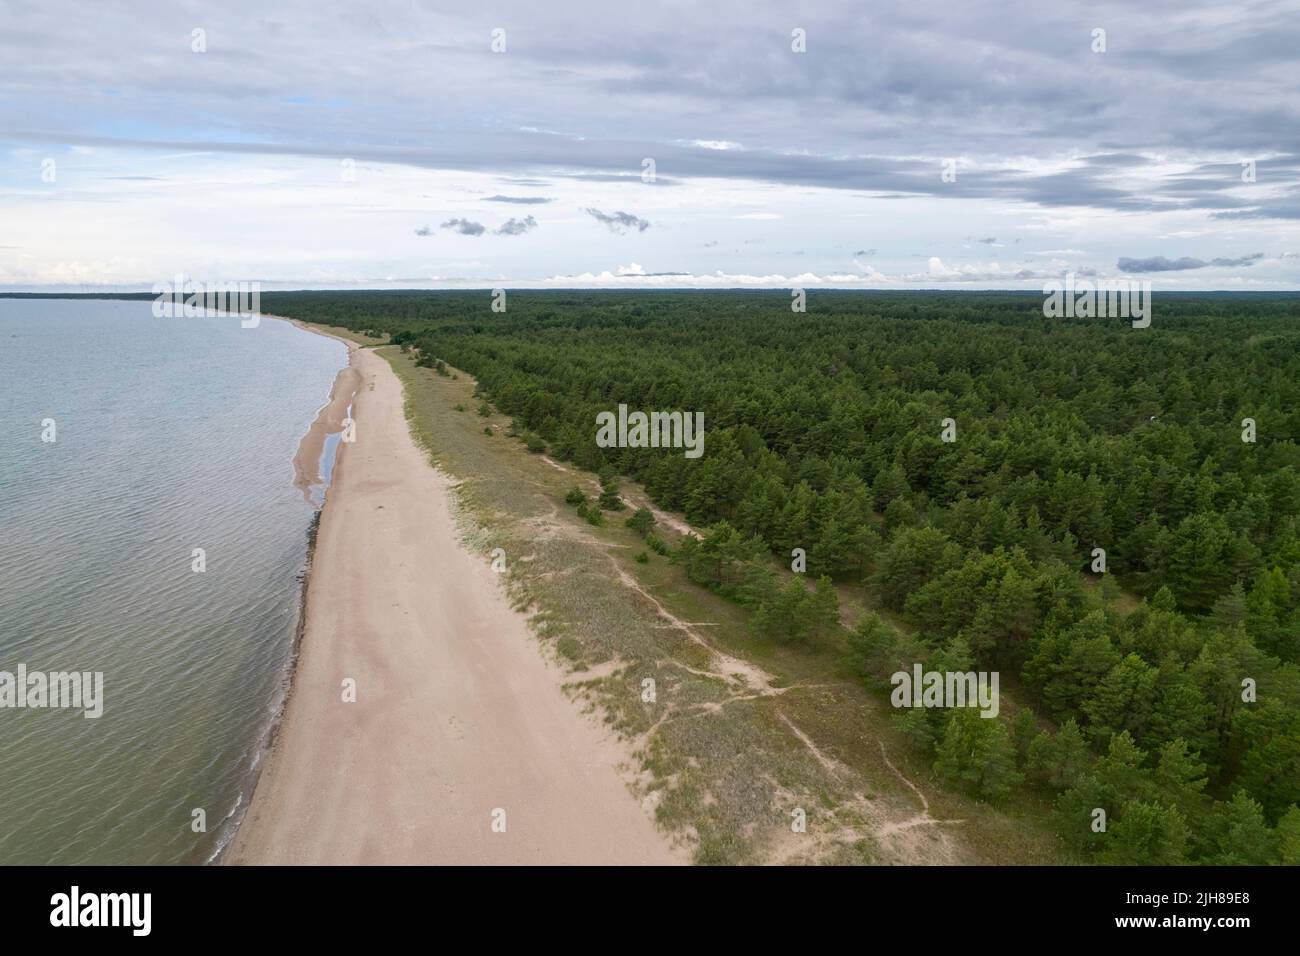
(1107, 516)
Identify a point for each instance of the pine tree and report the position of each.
(1146, 834)
(1062, 760)
(1123, 700)
(1024, 729)
(1288, 837)
(780, 617)
(641, 521)
(1180, 777)
(821, 610)
(1239, 835)
(976, 754)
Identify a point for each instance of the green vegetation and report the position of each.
(641, 521)
(1164, 691)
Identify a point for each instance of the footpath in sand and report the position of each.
(457, 713)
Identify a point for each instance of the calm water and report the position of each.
(172, 434)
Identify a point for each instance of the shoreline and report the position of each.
(311, 443)
(456, 715)
(271, 732)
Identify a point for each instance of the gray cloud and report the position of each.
(1153, 126)
(424, 231)
(1218, 79)
(619, 221)
(520, 200)
(1249, 260)
(1161, 264)
(1287, 207)
(1158, 264)
(517, 227)
(465, 227)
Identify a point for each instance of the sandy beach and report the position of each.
(458, 719)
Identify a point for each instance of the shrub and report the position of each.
(641, 521)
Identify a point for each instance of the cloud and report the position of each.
(520, 200)
(988, 240)
(865, 252)
(937, 274)
(635, 270)
(619, 221)
(1166, 109)
(465, 227)
(711, 93)
(1158, 264)
(1249, 260)
(715, 144)
(1279, 209)
(989, 274)
(634, 275)
(1161, 264)
(517, 227)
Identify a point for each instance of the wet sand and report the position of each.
(330, 420)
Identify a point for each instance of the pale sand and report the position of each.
(457, 711)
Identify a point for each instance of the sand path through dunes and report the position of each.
(457, 713)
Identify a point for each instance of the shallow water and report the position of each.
(171, 435)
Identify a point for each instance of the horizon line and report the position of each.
(66, 292)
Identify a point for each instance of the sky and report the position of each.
(949, 144)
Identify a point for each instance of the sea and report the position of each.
(150, 533)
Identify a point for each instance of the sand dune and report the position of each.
(457, 714)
